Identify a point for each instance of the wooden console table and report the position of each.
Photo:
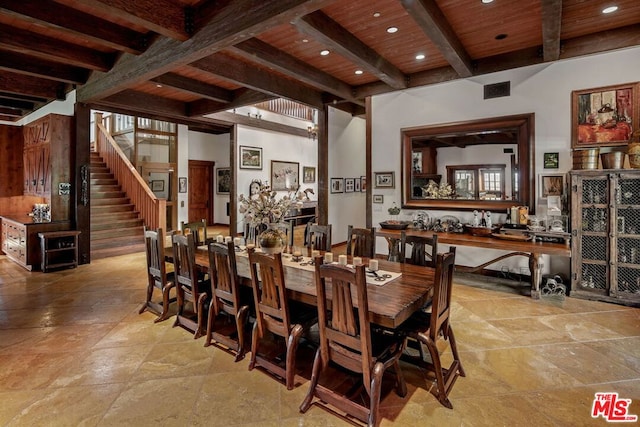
(59, 249)
(530, 249)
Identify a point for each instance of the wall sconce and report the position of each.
(313, 131)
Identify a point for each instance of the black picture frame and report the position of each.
(337, 185)
(285, 176)
(223, 180)
(349, 185)
(551, 160)
(182, 184)
(250, 157)
(157, 185)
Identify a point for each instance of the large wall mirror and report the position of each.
(487, 163)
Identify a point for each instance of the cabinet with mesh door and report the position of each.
(605, 224)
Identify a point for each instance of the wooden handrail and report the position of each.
(153, 210)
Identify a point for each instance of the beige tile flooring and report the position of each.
(74, 351)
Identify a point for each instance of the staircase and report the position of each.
(116, 228)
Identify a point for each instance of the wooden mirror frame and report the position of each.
(525, 125)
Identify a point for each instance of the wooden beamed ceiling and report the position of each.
(191, 60)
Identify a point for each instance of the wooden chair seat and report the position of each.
(277, 316)
(427, 328)
(346, 341)
(190, 285)
(227, 316)
(157, 275)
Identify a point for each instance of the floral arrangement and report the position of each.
(435, 191)
(265, 208)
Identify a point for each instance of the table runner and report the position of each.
(380, 278)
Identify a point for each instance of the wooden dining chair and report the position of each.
(361, 242)
(227, 316)
(198, 229)
(423, 249)
(157, 275)
(277, 315)
(190, 285)
(427, 328)
(318, 237)
(346, 340)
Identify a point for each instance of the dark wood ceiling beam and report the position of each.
(195, 87)
(255, 50)
(241, 98)
(164, 17)
(620, 38)
(56, 16)
(433, 23)
(551, 26)
(15, 104)
(10, 112)
(233, 22)
(36, 67)
(22, 97)
(7, 118)
(239, 72)
(147, 104)
(12, 82)
(22, 41)
(325, 30)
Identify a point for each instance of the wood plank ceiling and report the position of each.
(183, 59)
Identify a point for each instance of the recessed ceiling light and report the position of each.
(376, 15)
(610, 9)
(358, 72)
(501, 37)
(487, 1)
(392, 30)
(420, 56)
(305, 41)
(158, 85)
(324, 52)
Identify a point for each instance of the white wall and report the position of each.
(275, 146)
(347, 159)
(213, 148)
(542, 89)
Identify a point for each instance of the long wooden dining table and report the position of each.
(390, 304)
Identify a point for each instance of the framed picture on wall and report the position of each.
(157, 185)
(357, 183)
(182, 184)
(377, 198)
(223, 180)
(384, 180)
(363, 184)
(337, 185)
(551, 185)
(284, 175)
(308, 174)
(604, 116)
(250, 157)
(551, 160)
(349, 185)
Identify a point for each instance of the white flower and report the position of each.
(265, 208)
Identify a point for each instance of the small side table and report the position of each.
(59, 249)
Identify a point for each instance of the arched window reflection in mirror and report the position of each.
(487, 163)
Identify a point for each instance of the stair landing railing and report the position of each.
(153, 210)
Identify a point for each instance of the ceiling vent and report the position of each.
(497, 90)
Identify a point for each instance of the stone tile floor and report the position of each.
(74, 351)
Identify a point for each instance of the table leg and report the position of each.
(535, 266)
(394, 249)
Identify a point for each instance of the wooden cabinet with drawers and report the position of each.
(20, 241)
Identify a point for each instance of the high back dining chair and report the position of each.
(190, 285)
(198, 229)
(361, 241)
(275, 314)
(423, 249)
(427, 328)
(346, 340)
(157, 275)
(318, 237)
(226, 304)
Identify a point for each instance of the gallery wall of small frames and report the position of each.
(348, 185)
